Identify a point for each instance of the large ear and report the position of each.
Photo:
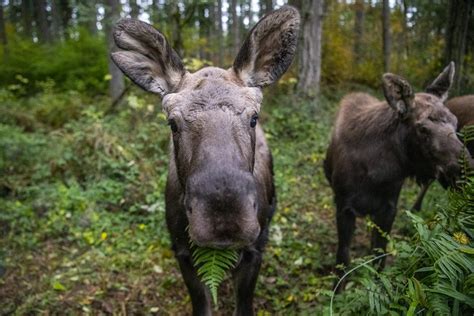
(440, 86)
(146, 57)
(269, 48)
(398, 92)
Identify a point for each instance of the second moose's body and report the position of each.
(375, 146)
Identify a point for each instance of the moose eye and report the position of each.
(253, 121)
(173, 125)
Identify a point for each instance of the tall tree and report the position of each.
(266, 6)
(3, 34)
(387, 42)
(234, 27)
(456, 36)
(309, 58)
(134, 9)
(66, 14)
(27, 17)
(43, 31)
(56, 20)
(358, 29)
(220, 31)
(112, 14)
(87, 15)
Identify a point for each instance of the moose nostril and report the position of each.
(190, 209)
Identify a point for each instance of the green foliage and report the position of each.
(212, 265)
(78, 64)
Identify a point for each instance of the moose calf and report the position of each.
(376, 145)
(220, 180)
(463, 109)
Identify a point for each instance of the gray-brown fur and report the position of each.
(220, 190)
(463, 109)
(376, 145)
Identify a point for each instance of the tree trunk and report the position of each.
(266, 6)
(456, 36)
(3, 34)
(234, 28)
(309, 60)
(56, 20)
(41, 17)
(203, 29)
(220, 31)
(27, 19)
(405, 29)
(112, 14)
(66, 14)
(386, 35)
(176, 38)
(134, 9)
(358, 29)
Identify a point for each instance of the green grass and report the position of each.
(82, 212)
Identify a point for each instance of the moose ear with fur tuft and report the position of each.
(145, 56)
(441, 85)
(269, 48)
(398, 93)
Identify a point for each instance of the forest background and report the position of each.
(83, 157)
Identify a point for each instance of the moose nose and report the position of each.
(221, 187)
(222, 209)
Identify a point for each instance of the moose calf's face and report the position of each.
(213, 117)
(433, 126)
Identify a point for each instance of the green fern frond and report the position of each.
(212, 265)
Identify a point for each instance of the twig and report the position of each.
(349, 272)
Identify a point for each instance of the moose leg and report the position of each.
(384, 221)
(199, 295)
(245, 279)
(421, 196)
(345, 230)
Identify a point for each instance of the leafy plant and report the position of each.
(212, 265)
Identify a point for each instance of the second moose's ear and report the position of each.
(398, 93)
(146, 57)
(269, 48)
(441, 85)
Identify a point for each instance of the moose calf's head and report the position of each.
(213, 117)
(431, 126)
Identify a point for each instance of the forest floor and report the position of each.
(82, 214)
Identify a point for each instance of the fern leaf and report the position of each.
(212, 265)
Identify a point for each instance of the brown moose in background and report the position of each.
(220, 180)
(463, 109)
(376, 145)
